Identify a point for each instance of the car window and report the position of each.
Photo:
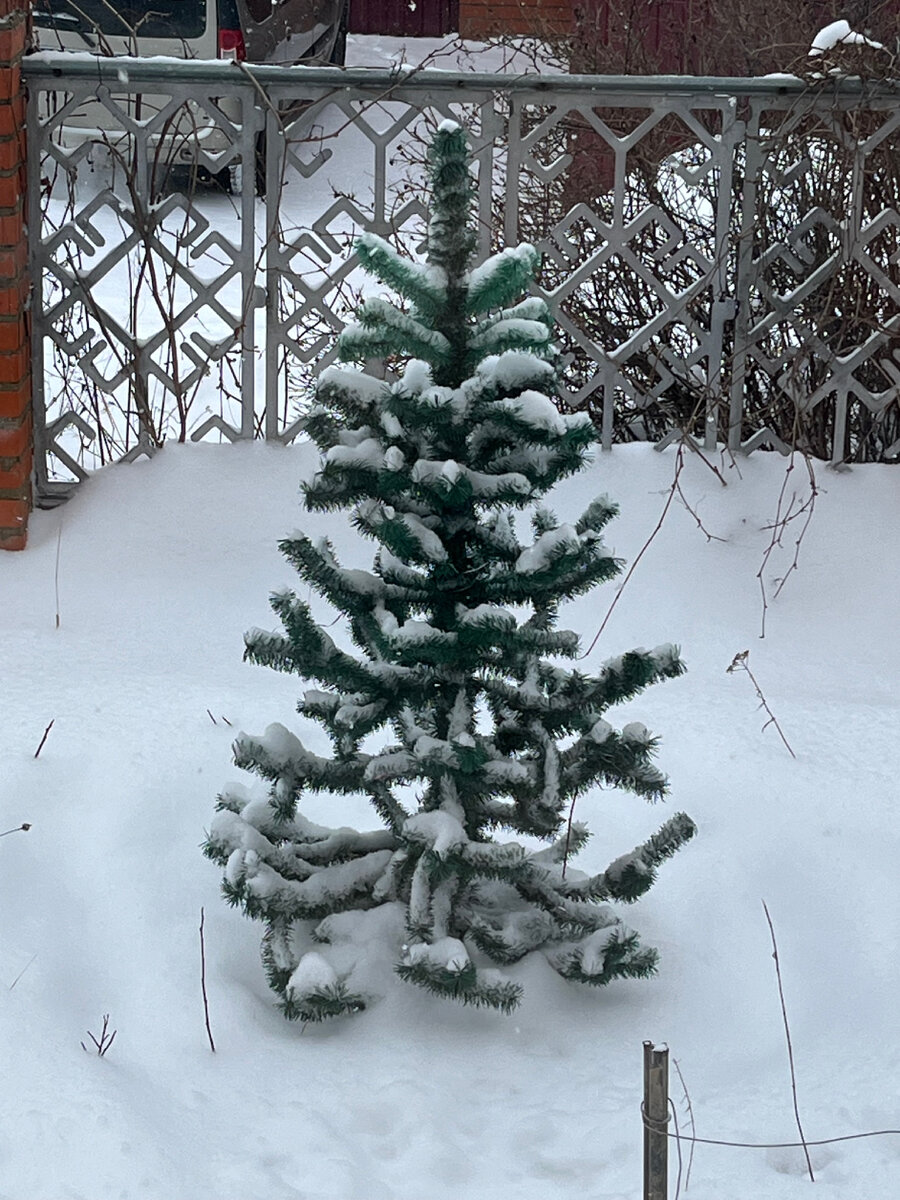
(178, 19)
(260, 10)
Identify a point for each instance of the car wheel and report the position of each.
(339, 51)
(231, 178)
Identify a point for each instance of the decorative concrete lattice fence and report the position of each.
(722, 255)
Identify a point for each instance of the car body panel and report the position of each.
(277, 31)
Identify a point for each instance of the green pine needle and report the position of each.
(465, 986)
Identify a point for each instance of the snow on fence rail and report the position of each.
(722, 255)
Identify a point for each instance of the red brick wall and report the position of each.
(16, 444)
(486, 18)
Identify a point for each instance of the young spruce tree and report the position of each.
(458, 655)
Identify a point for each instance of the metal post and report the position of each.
(655, 1114)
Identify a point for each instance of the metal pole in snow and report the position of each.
(655, 1112)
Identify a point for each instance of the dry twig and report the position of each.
(787, 512)
(565, 861)
(212, 1044)
(56, 571)
(18, 829)
(690, 1112)
(44, 738)
(22, 972)
(740, 663)
(673, 491)
(105, 1040)
(790, 1049)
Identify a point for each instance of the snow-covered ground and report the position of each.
(155, 569)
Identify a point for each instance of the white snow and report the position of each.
(429, 542)
(505, 770)
(538, 557)
(440, 830)
(365, 387)
(160, 572)
(593, 955)
(390, 766)
(600, 731)
(445, 473)
(342, 878)
(430, 470)
(513, 369)
(349, 713)
(484, 274)
(368, 453)
(449, 953)
(416, 377)
(491, 616)
(537, 410)
(519, 327)
(313, 973)
(839, 33)
(637, 732)
(433, 749)
(412, 633)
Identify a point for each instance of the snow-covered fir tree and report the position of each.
(453, 715)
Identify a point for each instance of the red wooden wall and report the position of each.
(490, 18)
(404, 18)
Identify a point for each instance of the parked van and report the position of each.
(256, 31)
(277, 31)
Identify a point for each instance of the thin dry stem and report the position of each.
(44, 738)
(22, 972)
(740, 663)
(690, 1112)
(678, 1140)
(692, 509)
(23, 828)
(212, 1044)
(673, 491)
(105, 1040)
(565, 861)
(56, 572)
(787, 512)
(790, 1048)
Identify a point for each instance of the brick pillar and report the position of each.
(16, 430)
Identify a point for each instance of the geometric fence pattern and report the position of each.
(722, 256)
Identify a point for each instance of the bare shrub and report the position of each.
(813, 355)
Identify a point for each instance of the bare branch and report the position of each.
(44, 738)
(212, 1044)
(105, 1040)
(740, 663)
(790, 1049)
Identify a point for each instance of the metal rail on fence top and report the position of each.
(50, 65)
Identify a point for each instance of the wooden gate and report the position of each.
(404, 18)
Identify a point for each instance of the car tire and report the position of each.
(338, 55)
(230, 179)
